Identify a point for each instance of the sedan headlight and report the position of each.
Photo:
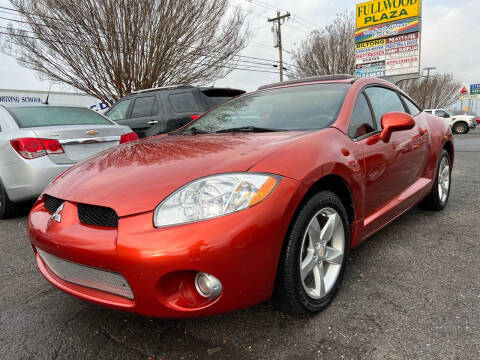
(214, 196)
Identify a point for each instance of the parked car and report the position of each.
(460, 124)
(271, 189)
(38, 142)
(159, 110)
(478, 120)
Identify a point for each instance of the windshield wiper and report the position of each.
(193, 131)
(248, 129)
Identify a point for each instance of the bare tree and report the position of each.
(107, 48)
(327, 51)
(435, 92)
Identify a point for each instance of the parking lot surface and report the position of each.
(412, 291)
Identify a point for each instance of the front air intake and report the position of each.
(90, 277)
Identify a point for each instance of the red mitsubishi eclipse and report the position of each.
(269, 190)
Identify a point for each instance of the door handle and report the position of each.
(153, 122)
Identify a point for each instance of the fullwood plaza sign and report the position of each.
(387, 38)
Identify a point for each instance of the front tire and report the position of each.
(315, 255)
(460, 128)
(437, 199)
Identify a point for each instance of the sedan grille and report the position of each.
(97, 215)
(107, 281)
(52, 203)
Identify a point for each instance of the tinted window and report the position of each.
(383, 101)
(119, 111)
(442, 113)
(293, 108)
(55, 115)
(143, 107)
(183, 102)
(412, 108)
(361, 122)
(428, 111)
(218, 96)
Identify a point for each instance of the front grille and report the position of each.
(52, 203)
(97, 215)
(107, 281)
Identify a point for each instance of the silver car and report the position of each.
(39, 142)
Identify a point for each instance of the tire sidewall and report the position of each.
(3, 201)
(439, 204)
(463, 125)
(316, 203)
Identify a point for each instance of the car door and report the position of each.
(145, 117)
(390, 168)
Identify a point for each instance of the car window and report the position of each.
(119, 110)
(412, 108)
(184, 102)
(428, 111)
(383, 101)
(33, 116)
(361, 122)
(307, 107)
(441, 113)
(144, 106)
(218, 96)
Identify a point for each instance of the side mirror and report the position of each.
(395, 121)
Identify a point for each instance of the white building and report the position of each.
(11, 96)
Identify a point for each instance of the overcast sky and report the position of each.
(450, 39)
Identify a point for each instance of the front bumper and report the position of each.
(241, 249)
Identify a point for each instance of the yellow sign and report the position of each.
(371, 43)
(383, 11)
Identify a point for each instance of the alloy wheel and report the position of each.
(444, 180)
(322, 252)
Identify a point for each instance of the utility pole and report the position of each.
(279, 38)
(427, 69)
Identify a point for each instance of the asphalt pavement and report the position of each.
(412, 291)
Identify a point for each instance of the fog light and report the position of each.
(208, 285)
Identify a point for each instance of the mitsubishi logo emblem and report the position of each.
(56, 215)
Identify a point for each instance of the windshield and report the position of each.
(33, 116)
(307, 107)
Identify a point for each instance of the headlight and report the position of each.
(214, 196)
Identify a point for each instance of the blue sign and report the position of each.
(475, 89)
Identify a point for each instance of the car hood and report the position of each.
(135, 177)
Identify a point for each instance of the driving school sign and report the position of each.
(384, 11)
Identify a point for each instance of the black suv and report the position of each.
(155, 111)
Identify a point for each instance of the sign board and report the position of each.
(28, 97)
(378, 12)
(400, 27)
(387, 39)
(475, 89)
(396, 55)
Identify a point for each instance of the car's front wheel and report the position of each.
(460, 128)
(315, 255)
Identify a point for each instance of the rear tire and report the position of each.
(315, 255)
(7, 208)
(460, 128)
(437, 199)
